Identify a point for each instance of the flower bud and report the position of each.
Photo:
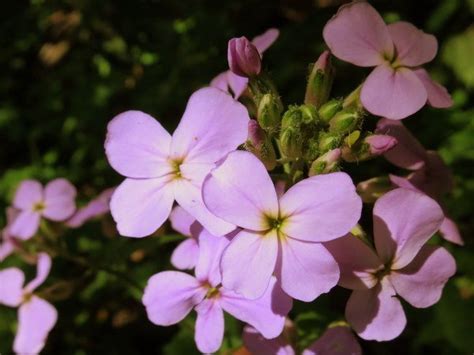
(291, 142)
(380, 143)
(269, 112)
(329, 109)
(370, 190)
(320, 81)
(260, 145)
(326, 163)
(243, 57)
(328, 141)
(344, 121)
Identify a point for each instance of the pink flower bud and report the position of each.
(326, 163)
(244, 58)
(380, 143)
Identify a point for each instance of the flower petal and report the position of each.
(213, 125)
(266, 314)
(438, 96)
(232, 195)
(27, 194)
(257, 344)
(408, 153)
(170, 295)
(305, 270)
(59, 200)
(320, 208)
(335, 341)
(421, 282)
(376, 314)
(185, 255)
(140, 207)
(36, 318)
(404, 220)
(95, 208)
(357, 34)
(137, 146)
(220, 81)
(394, 94)
(237, 84)
(265, 40)
(413, 46)
(26, 225)
(450, 231)
(7, 247)
(43, 266)
(258, 253)
(210, 254)
(356, 260)
(209, 329)
(11, 286)
(181, 221)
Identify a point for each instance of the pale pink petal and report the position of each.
(258, 253)
(266, 39)
(230, 193)
(404, 182)
(450, 231)
(209, 329)
(7, 247)
(25, 225)
(43, 266)
(305, 270)
(170, 295)
(404, 221)
(213, 125)
(210, 254)
(220, 81)
(408, 153)
(11, 286)
(138, 146)
(237, 84)
(186, 254)
(266, 314)
(140, 207)
(320, 208)
(28, 194)
(95, 208)
(394, 94)
(188, 195)
(413, 46)
(376, 314)
(181, 221)
(36, 318)
(59, 200)
(357, 262)
(421, 282)
(357, 34)
(257, 344)
(438, 96)
(335, 341)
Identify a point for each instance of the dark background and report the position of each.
(67, 67)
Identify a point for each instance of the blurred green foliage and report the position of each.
(69, 66)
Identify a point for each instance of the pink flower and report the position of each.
(397, 87)
(54, 202)
(170, 296)
(401, 264)
(95, 208)
(36, 317)
(430, 174)
(161, 168)
(243, 57)
(281, 235)
(8, 242)
(237, 84)
(337, 340)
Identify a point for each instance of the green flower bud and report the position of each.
(320, 81)
(370, 190)
(328, 141)
(291, 143)
(326, 163)
(344, 121)
(329, 109)
(269, 112)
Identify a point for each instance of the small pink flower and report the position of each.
(398, 86)
(281, 235)
(95, 208)
(243, 57)
(229, 81)
(54, 202)
(337, 340)
(170, 295)
(36, 317)
(430, 174)
(160, 168)
(401, 264)
(8, 242)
